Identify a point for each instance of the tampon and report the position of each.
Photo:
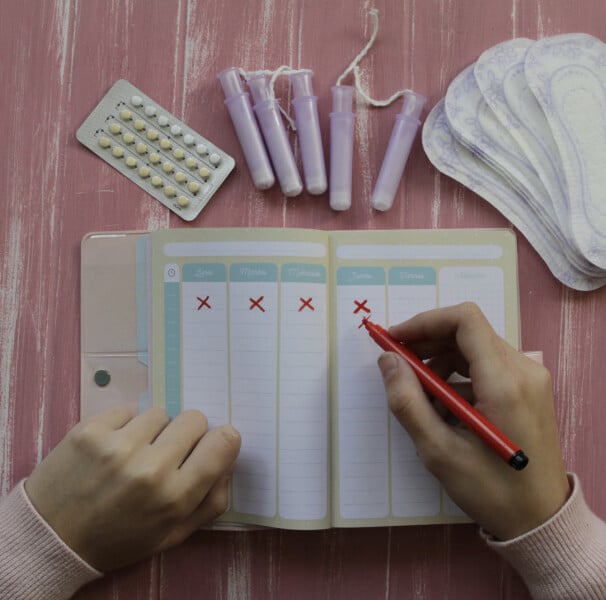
(272, 126)
(341, 146)
(308, 128)
(238, 104)
(398, 149)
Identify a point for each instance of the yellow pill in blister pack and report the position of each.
(165, 144)
(141, 148)
(139, 124)
(170, 191)
(178, 153)
(126, 115)
(156, 181)
(153, 134)
(115, 128)
(183, 201)
(104, 142)
(131, 162)
(167, 167)
(118, 151)
(154, 158)
(180, 177)
(128, 138)
(204, 172)
(191, 163)
(193, 187)
(144, 171)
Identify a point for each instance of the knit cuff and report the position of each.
(565, 557)
(34, 561)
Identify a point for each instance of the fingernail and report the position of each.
(388, 363)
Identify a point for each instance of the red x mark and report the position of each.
(360, 306)
(305, 303)
(203, 302)
(256, 303)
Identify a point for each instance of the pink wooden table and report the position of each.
(59, 58)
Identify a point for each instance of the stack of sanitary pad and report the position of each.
(525, 128)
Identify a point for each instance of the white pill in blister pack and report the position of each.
(155, 150)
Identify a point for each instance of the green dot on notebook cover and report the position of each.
(102, 377)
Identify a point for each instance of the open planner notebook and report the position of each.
(260, 328)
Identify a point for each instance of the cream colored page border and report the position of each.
(504, 239)
(239, 236)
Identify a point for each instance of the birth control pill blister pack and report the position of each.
(169, 160)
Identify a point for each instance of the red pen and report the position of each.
(455, 403)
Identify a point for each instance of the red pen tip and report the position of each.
(364, 322)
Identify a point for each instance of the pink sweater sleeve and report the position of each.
(564, 558)
(34, 561)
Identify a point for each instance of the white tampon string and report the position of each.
(273, 75)
(373, 101)
(282, 70)
(374, 15)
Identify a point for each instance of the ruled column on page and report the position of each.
(253, 325)
(484, 285)
(414, 491)
(303, 421)
(363, 440)
(205, 336)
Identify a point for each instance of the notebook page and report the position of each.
(241, 335)
(396, 275)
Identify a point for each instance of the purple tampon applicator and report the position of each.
(341, 146)
(308, 128)
(272, 126)
(398, 149)
(238, 104)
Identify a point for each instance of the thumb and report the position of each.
(409, 403)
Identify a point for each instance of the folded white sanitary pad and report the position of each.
(525, 128)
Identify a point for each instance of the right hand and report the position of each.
(511, 390)
(119, 488)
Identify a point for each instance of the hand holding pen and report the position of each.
(451, 400)
(510, 390)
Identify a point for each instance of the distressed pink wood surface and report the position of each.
(59, 58)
